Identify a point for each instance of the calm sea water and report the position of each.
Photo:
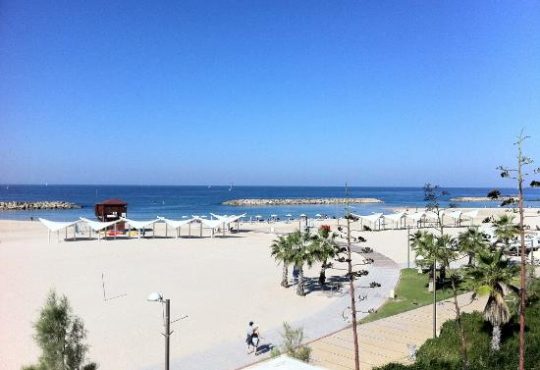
(176, 201)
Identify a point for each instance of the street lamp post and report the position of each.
(157, 297)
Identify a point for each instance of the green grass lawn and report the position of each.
(411, 292)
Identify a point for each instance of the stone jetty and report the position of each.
(22, 206)
(481, 199)
(299, 201)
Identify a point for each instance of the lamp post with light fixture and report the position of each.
(158, 297)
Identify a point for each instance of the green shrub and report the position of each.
(292, 344)
(60, 335)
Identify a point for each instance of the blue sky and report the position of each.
(266, 92)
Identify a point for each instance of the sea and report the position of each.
(175, 202)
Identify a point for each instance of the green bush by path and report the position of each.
(411, 292)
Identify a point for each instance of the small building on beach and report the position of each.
(111, 210)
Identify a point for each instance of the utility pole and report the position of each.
(351, 284)
(352, 294)
(523, 260)
(167, 333)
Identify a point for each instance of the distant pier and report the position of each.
(299, 201)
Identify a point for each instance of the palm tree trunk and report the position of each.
(496, 338)
(322, 278)
(300, 285)
(285, 276)
(460, 325)
(431, 280)
(322, 275)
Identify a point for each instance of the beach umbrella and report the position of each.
(303, 215)
(258, 216)
(273, 215)
(318, 215)
(288, 215)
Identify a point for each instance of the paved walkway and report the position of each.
(232, 354)
(387, 340)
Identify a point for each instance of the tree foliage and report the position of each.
(60, 335)
(292, 344)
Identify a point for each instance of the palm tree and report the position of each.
(433, 249)
(324, 248)
(471, 242)
(445, 253)
(423, 244)
(301, 254)
(492, 274)
(505, 229)
(281, 251)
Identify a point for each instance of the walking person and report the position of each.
(252, 337)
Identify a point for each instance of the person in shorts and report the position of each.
(252, 337)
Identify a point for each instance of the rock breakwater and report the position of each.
(481, 199)
(298, 201)
(22, 206)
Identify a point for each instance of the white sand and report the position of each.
(221, 283)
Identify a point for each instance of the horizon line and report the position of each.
(276, 186)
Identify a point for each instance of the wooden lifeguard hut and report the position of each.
(111, 210)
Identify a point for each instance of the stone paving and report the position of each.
(391, 339)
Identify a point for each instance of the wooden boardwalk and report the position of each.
(391, 339)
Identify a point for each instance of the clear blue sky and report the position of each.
(266, 92)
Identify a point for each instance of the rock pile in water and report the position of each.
(299, 201)
(22, 206)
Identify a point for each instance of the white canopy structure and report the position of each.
(375, 219)
(57, 226)
(470, 215)
(98, 226)
(285, 362)
(140, 225)
(399, 219)
(418, 217)
(227, 220)
(455, 215)
(176, 225)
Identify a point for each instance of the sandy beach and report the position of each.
(220, 283)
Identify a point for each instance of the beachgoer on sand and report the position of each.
(252, 337)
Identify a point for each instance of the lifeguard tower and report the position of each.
(112, 210)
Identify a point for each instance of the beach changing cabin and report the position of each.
(111, 210)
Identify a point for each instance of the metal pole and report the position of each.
(408, 247)
(167, 331)
(435, 294)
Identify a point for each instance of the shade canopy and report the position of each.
(175, 224)
(285, 362)
(456, 215)
(56, 226)
(139, 224)
(471, 214)
(395, 216)
(418, 216)
(97, 226)
(371, 218)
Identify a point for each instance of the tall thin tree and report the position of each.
(518, 174)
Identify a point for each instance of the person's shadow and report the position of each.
(264, 348)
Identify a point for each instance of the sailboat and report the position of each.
(230, 187)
